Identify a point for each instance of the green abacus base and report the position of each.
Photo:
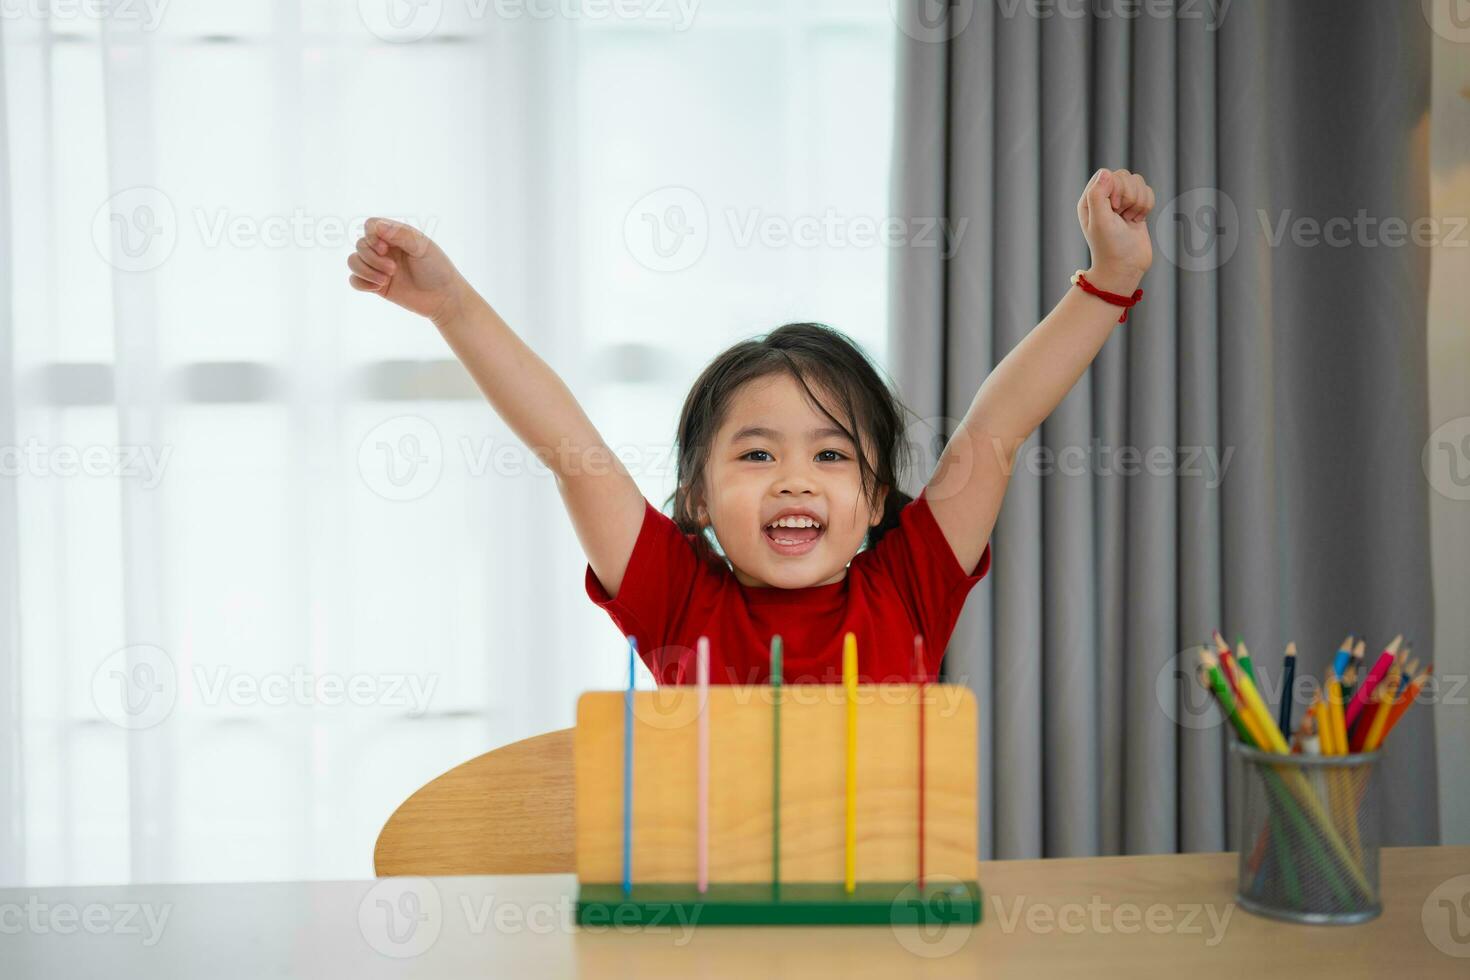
(793, 903)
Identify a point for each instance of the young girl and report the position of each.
(790, 450)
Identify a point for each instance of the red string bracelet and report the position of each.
(1117, 299)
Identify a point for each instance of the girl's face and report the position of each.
(774, 453)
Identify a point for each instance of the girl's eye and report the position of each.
(825, 452)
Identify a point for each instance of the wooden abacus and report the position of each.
(806, 803)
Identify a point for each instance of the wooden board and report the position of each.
(813, 783)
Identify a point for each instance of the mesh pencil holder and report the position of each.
(1310, 835)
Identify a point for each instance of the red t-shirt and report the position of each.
(910, 582)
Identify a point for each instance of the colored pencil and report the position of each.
(1411, 670)
(776, 680)
(628, 770)
(849, 684)
(919, 670)
(701, 673)
(1228, 666)
(1360, 696)
(1211, 675)
(1406, 700)
(1275, 741)
(1344, 654)
(1212, 678)
(1385, 698)
(1335, 716)
(1243, 657)
(1288, 677)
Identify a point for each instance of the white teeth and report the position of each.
(794, 522)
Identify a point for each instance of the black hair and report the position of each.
(813, 354)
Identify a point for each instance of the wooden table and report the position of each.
(1167, 916)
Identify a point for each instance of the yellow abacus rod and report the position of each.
(849, 684)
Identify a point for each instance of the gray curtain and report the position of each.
(1301, 367)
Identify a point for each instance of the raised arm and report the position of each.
(970, 480)
(404, 266)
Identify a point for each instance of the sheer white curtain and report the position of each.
(268, 562)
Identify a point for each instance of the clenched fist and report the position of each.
(402, 264)
(1112, 211)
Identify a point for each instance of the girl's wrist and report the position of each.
(1114, 279)
(458, 299)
